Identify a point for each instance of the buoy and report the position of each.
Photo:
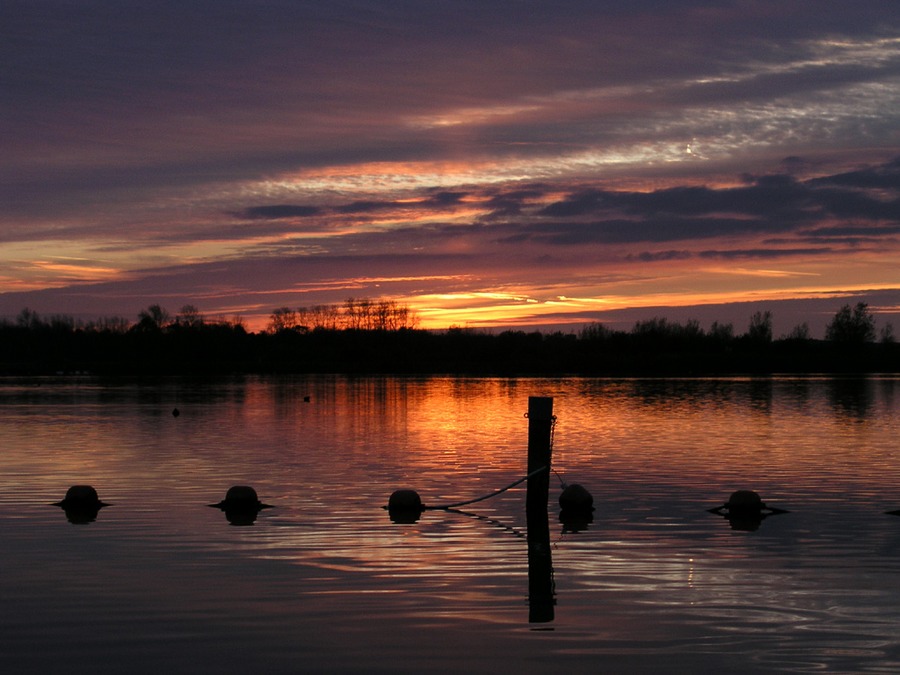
(405, 506)
(306, 399)
(405, 500)
(81, 504)
(745, 501)
(241, 505)
(575, 498)
(745, 510)
(241, 497)
(176, 412)
(81, 495)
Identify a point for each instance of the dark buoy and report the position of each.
(306, 399)
(577, 508)
(81, 504)
(745, 510)
(241, 497)
(241, 505)
(745, 501)
(81, 495)
(176, 412)
(405, 499)
(576, 498)
(405, 506)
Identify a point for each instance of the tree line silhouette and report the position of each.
(355, 314)
(364, 336)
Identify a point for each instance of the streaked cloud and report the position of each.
(493, 158)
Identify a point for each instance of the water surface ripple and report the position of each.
(326, 582)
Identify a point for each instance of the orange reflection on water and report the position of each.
(651, 571)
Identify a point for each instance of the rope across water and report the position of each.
(487, 496)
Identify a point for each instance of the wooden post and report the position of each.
(540, 564)
(540, 425)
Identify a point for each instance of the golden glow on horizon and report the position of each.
(486, 310)
(441, 311)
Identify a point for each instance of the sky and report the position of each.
(488, 163)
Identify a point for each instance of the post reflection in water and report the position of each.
(541, 593)
(540, 564)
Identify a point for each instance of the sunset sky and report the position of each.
(488, 163)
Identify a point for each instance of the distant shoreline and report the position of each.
(221, 350)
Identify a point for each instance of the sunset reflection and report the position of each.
(649, 564)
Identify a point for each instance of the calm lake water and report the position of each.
(325, 582)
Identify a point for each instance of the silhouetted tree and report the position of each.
(386, 315)
(28, 318)
(760, 330)
(189, 317)
(154, 317)
(799, 332)
(852, 326)
(595, 331)
(660, 329)
(389, 315)
(657, 327)
(235, 322)
(108, 324)
(721, 332)
(283, 318)
(320, 317)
